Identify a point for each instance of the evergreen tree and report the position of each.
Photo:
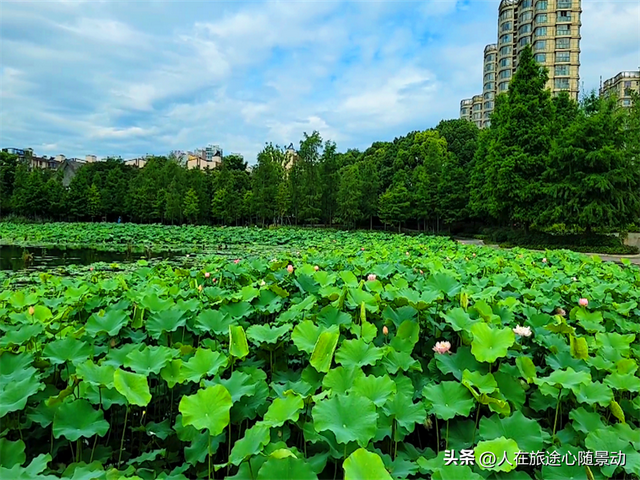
(191, 206)
(350, 196)
(267, 178)
(395, 205)
(8, 165)
(94, 201)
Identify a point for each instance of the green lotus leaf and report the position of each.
(265, 334)
(398, 316)
(400, 361)
(336, 414)
(585, 421)
(459, 362)
(358, 353)
(330, 316)
(32, 472)
(288, 468)
(251, 444)
(76, 419)
(11, 453)
(489, 344)
(564, 472)
(111, 322)
(527, 368)
(455, 472)
(594, 392)
(484, 383)
(237, 310)
(19, 335)
(356, 297)
(133, 386)
(376, 389)
(615, 342)
(406, 337)
(525, 431)
(165, 321)
(567, 379)
(623, 383)
(68, 349)
(238, 345)
(205, 363)
(404, 411)
(14, 395)
(501, 449)
(201, 446)
(172, 373)
(608, 439)
(208, 408)
(340, 380)
(98, 375)
(283, 410)
(149, 359)
(579, 347)
(239, 384)
(364, 465)
(322, 355)
(364, 330)
(161, 430)
(448, 399)
(305, 335)
(626, 366)
(459, 319)
(153, 303)
(445, 283)
(214, 321)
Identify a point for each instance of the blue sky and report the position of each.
(134, 77)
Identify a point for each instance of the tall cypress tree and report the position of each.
(519, 146)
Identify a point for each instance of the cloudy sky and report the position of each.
(149, 76)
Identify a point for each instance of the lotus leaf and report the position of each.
(448, 399)
(364, 465)
(76, 419)
(251, 444)
(336, 415)
(358, 353)
(489, 343)
(208, 408)
(133, 386)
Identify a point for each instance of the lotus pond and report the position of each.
(322, 355)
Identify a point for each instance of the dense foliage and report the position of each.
(544, 161)
(324, 361)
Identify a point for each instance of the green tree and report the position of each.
(395, 205)
(94, 201)
(592, 181)
(349, 196)
(8, 166)
(267, 179)
(191, 206)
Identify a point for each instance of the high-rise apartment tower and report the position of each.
(552, 28)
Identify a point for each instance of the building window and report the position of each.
(489, 76)
(541, 18)
(503, 86)
(489, 96)
(505, 62)
(505, 38)
(488, 105)
(627, 84)
(525, 29)
(563, 57)
(564, 16)
(489, 67)
(561, 70)
(563, 43)
(505, 74)
(506, 26)
(524, 41)
(486, 115)
(561, 83)
(489, 86)
(477, 106)
(526, 16)
(540, 45)
(506, 14)
(526, 4)
(540, 57)
(490, 58)
(464, 111)
(563, 30)
(626, 102)
(505, 50)
(540, 32)
(564, 4)
(542, 5)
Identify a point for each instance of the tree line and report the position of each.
(543, 161)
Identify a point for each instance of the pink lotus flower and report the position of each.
(442, 347)
(91, 269)
(207, 275)
(316, 268)
(290, 268)
(236, 261)
(474, 254)
(372, 277)
(421, 272)
(522, 331)
(561, 312)
(583, 302)
(214, 280)
(362, 249)
(544, 260)
(385, 331)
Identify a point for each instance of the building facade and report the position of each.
(621, 86)
(552, 28)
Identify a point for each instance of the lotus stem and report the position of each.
(555, 420)
(437, 437)
(124, 431)
(447, 437)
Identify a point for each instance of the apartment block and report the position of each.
(552, 28)
(622, 85)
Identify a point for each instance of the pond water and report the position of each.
(14, 257)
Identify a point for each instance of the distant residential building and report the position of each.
(622, 85)
(91, 159)
(69, 168)
(552, 28)
(136, 162)
(290, 157)
(60, 158)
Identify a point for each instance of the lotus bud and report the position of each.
(290, 268)
(207, 275)
(362, 249)
(316, 268)
(32, 310)
(91, 269)
(428, 424)
(385, 331)
(236, 261)
(372, 277)
(584, 302)
(544, 260)
(262, 283)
